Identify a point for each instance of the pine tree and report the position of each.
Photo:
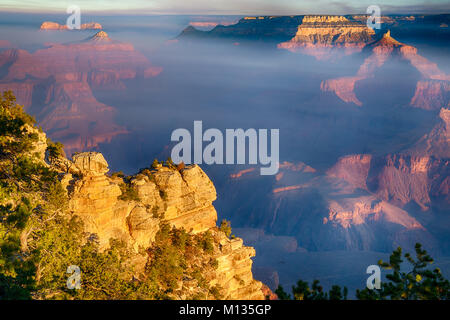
(419, 282)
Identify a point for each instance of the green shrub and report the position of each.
(163, 195)
(118, 174)
(169, 163)
(155, 163)
(55, 149)
(14, 137)
(128, 192)
(302, 291)
(176, 255)
(156, 214)
(225, 227)
(420, 283)
(206, 242)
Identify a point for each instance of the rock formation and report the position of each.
(270, 29)
(399, 179)
(208, 25)
(431, 95)
(349, 205)
(182, 198)
(356, 224)
(354, 169)
(49, 25)
(97, 60)
(56, 83)
(329, 36)
(100, 36)
(350, 212)
(23, 89)
(167, 202)
(437, 142)
(382, 50)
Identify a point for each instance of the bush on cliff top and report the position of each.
(178, 255)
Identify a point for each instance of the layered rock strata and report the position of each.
(431, 92)
(56, 84)
(183, 198)
(329, 36)
(49, 25)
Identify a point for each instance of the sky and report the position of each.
(236, 7)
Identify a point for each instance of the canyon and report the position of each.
(401, 194)
(353, 182)
(352, 202)
(360, 196)
(56, 85)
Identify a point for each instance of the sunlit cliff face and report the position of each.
(327, 37)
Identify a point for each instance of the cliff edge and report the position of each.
(152, 235)
(132, 209)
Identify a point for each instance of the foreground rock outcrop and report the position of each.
(148, 236)
(183, 198)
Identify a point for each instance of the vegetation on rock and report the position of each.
(40, 237)
(418, 283)
(177, 255)
(128, 192)
(225, 226)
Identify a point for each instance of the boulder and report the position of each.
(91, 163)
